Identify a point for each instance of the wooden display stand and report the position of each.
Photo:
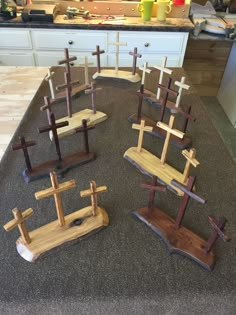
(31, 245)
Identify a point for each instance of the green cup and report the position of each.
(145, 7)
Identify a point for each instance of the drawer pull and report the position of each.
(72, 64)
(70, 42)
(146, 45)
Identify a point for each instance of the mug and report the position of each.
(145, 7)
(163, 8)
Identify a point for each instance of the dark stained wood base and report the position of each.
(181, 144)
(68, 162)
(61, 95)
(181, 241)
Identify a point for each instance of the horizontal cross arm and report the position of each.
(192, 160)
(88, 192)
(174, 132)
(138, 127)
(51, 191)
(13, 223)
(189, 193)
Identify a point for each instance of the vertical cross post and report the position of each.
(92, 92)
(144, 70)
(48, 78)
(85, 130)
(191, 160)
(153, 187)
(141, 95)
(162, 68)
(135, 56)
(97, 53)
(142, 128)
(66, 62)
(86, 65)
(117, 44)
(24, 146)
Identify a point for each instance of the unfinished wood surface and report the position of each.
(119, 74)
(52, 235)
(18, 86)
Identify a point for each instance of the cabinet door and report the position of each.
(18, 39)
(16, 59)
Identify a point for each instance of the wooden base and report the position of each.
(68, 162)
(76, 121)
(181, 144)
(181, 241)
(150, 165)
(51, 235)
(112, 73)
(61, 95)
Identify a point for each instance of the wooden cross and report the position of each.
(153, 187)
(56, 190)
(19, 221)
(24, 146)
(93, 192)
(92, 92)
(141, 95)
(67, 61)
(187, 195)
(48, 78)
(117, 44)
(97, 53)
(190, 156)
(68, 87)
(85, 129)
(187, 116)
(218, 231)
(53, 126)
(48, 106)
(162, 68)
(135, 56)
(144, 70)
(86, 64)
(181, 86)
(141, 129)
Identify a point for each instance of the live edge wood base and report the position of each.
(182, 241)
(47, 237)
(60, 167)
(179, 143)
(120, 74)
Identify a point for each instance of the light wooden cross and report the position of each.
(162, 68)
(97, 53)
(144, 70)
(48, 106)
(142, 128)
(19, 221)
(56, 190)
(93, 192)
(86, 65)
(181, 84)
(135, 55)
(117, 44)
(67, 61)
(48, 78)
(92, 92)
(190, 156)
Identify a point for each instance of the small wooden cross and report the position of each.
(144, 70)
(92, 92)
(93, 192)
(86, 65)
(153, 187)
(187, 195)
(68, 87)
(135, 56)
(181, 86)
(67, 61)
(191, 160)
(141, 95)
(97, 53)
(141, 129)
(24, 146)
(162, 68)
(53, 126)
(218, 231)
(48, 106)
(85, 129)
(19, 220)
(48, 78)
(117, 44)
(56, 190)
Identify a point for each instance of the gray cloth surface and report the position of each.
(125, 268)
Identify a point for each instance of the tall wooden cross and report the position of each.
(153, 187)
(97, 53)
(142, 128)
(86, 65)
(66, 62)
(135, 56)
(144, 70)
(68, 87)
(48, 106)
(162, 68)
(218, 231)
(85, 130)
(141, 95)
(93, 92)
(24, 146)
(181, 84)
(117, 44)
(53, 126)
(55, 191)
(93, 192)
(19, 221)
(187, 195)
(48, 78)
(191, 160)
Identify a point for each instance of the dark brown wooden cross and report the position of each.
(153, 187)
(92, 92)
(141, 95)
(24, 146)
(48, 106)
(218, 231)
(53, 126)
(135, 56)
(68, 87)
(97, 53)
(85, 129)
(67, 61)
(187, 195)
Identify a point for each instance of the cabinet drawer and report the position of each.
(15, 39)
(79, 40)
(17, 59)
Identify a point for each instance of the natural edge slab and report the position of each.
(120, 74)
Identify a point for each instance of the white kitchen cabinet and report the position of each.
(9, 58)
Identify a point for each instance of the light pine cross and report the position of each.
(142, 128)
(49, 79)
(117, 44)
(86, 65)
(181, 84)
(162, 68)
(144, 70)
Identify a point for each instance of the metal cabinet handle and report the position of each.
(72, 64)
(70, 42)
(146, 45)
